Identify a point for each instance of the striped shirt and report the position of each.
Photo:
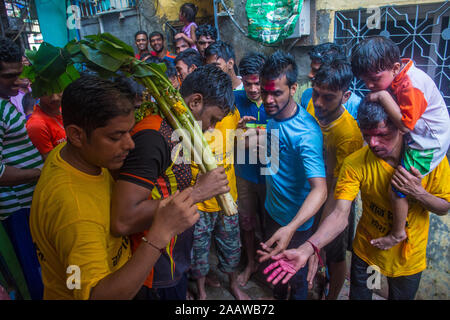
(16, 150)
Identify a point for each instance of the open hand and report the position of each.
(287, 264)
(281, 238)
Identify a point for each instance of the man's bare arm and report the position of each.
(15, 176)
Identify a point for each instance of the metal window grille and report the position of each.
(421, 31)
(90, 8)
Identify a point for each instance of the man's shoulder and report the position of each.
(359, 157)
(152, 122)
(346, 128)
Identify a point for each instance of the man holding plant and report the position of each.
(151, 173)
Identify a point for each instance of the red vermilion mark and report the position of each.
(252, 77)
(269, 85)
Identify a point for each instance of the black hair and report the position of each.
(251, 63)
(135, 88)
(213, 84)
(374, 54)
(90, 102)
(156, 33)
(206, 30)
(335, 76)
(326, 52)
(170, 69)
(189, 11)
(10, 51)
(153, 59)
(28, 102)
(190, 57)
(371, 113)
(222, 50)
(180, 39)
(278, 64)
(140, 32)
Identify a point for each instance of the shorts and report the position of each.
(251, 197)
(226, 235)
(423, 160)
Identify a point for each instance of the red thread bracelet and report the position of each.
(152, 245)
(316, 251)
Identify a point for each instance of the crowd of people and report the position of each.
(85, 186)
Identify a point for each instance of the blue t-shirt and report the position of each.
(247, 107)
(351, 105)
(300, 158)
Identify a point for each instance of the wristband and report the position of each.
(316, 251)
(152, 245)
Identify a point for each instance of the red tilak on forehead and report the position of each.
(252, 77)
(269, 85)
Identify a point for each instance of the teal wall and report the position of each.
(53, 22)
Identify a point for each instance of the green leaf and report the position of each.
(28, 73)
(161, 67)
(110, 38)
(30, 54)
(141, 71)
(112, 51)
(100, 59)
(73, 47)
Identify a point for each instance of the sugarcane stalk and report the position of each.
(199, 146)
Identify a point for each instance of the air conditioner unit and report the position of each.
(303, 26)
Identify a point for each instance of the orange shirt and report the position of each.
(45, 131)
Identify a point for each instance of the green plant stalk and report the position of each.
(198, 145)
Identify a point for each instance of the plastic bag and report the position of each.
(272, 21)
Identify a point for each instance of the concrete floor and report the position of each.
(257, 288)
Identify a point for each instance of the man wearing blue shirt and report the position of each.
(295, 177)
(250, 183)
(325, 53)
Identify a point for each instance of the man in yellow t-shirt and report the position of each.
(341, 137)
(212, 222)
(371, 170)
(70, 212)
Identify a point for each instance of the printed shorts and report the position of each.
(224, 231)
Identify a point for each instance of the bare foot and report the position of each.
(238, 293)
(202, 296)
(245, 275)
(190, 295)
(212, 281)
(266, 298)
(388, 241)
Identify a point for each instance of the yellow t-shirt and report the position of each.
(69, 222)
(341, 138)
(364, 171)
(222, 147)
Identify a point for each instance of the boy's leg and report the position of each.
(200, 251)
(397, 234)
(247, 205)
(228, 245)
(359, 289)
(404, 288)
(337, 266)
